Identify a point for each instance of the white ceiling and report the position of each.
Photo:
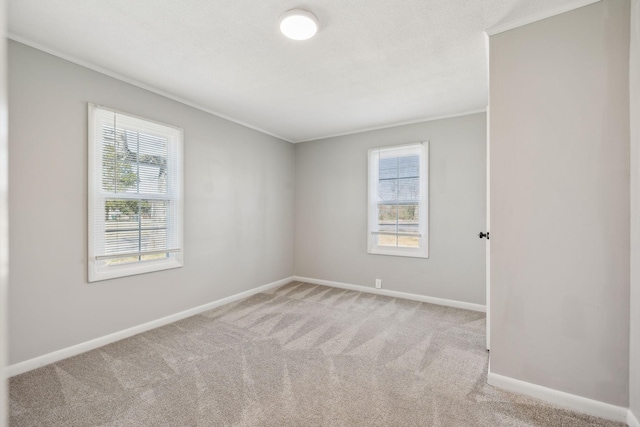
(373, 64)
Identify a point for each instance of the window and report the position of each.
(398, 195)
(135, 195)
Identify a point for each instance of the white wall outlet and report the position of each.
(378, 283)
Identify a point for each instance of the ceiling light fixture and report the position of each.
(298, 24)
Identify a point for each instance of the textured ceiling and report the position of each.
(374, 63)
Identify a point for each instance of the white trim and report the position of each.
(632, 421)
(392, 125)
(373, 159)
(157, 91)
(530, 19)
(97, 195)
(134, 82)
(560, 398)
(74, 350)
(487, 244)
(395, 294)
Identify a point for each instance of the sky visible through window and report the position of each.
(398, 199)
(134, 163)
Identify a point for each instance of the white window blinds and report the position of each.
(398, 194)
(135, 195)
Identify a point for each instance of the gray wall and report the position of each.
(238, 209)
(4, 224)
(634, 373)
(331, 211)
(559, 125)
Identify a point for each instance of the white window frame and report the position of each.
(422, 251)
(97, 268)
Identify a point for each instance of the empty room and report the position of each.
(320, 213)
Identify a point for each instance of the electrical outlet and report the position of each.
(378, 283)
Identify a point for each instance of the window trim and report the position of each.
(98, 272)
(372, 213)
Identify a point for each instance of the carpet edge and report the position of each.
(396, 294)
(74, 350)
(566, 400)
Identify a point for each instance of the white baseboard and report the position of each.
(632, 420)
(396, 294)
(560, 398)
(74, 350)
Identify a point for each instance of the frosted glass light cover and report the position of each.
(298, 24)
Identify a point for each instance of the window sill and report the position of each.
(98, 273)
(401, 252)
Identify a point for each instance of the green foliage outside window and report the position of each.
(118, 176)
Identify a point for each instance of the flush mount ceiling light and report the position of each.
(298, 24)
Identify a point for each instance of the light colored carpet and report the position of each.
(298, 355)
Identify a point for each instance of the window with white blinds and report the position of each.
(135, 195)
(398, 200)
